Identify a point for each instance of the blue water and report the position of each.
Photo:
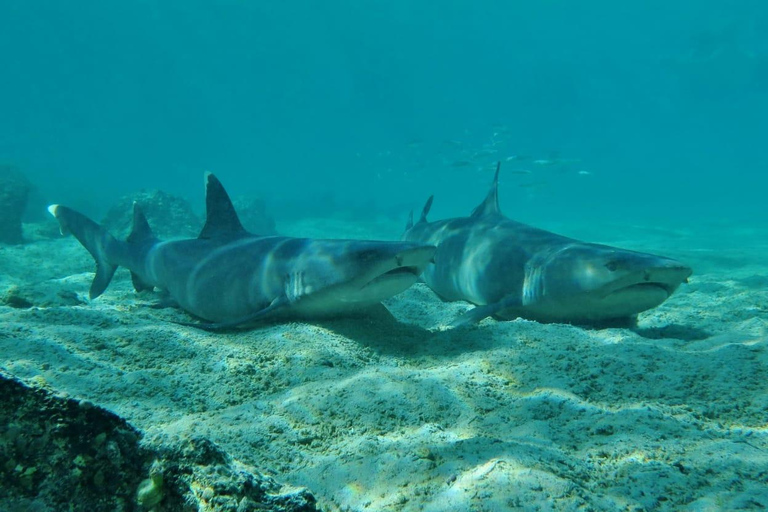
(658, 109)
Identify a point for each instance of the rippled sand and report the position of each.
(390, 412)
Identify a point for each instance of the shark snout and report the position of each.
(392, 269)
(669, 275)
(417, 257)
(405, 263)
(650, 273)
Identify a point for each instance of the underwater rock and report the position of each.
(172, 217)
(57, 453)
(253, 215)
(37, 295)
(14, 193)
(168, 215)
(13, 297)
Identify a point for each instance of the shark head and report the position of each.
(594, 283)
(352, 274)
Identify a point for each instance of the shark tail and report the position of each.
(94, 238)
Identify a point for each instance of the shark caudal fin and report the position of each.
(490, 206)
(94, 238)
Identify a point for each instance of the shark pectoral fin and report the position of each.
(478, 313)
(139, 284)
(165, 302)
(274, 307)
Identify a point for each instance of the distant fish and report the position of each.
(484, 153)
(461, 163)
(584, 173)
(415, 143)
(519, 171)
(537, 184)
(556, 161)
(454, 143)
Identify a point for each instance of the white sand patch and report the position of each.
(386, 413)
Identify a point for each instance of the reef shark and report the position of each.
(231, 278)
(510, 270)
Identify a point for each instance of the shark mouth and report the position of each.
(395, 273)
(658, 282)
(646, 287)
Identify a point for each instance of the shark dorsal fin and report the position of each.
(140, 230)
(490, 206)
(425, 210)
(220, 217)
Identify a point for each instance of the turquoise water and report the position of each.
(640, 125)
(653, 111)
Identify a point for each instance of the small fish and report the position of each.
(461, 163)
(556, 161)
(483, 153)
(584, 173)
(454, 143)
(519, 171)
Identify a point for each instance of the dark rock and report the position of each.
(253, 215)
(168, 215)
(57, 453)
(14, 193)
(37, 295)
(13, 297)
(172, 217)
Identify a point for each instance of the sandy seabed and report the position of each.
(389, 412)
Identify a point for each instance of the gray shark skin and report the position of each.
(510, 270)
(233, 278)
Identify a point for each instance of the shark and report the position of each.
(230, 278)
(511, 270)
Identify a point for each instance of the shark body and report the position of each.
(510, 270)
(231, 278)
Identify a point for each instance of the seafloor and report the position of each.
(389, 412)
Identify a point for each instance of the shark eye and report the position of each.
(612, 265)
(365, 256)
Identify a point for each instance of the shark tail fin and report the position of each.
(94, 238)
(490, 206)
(425, 210)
